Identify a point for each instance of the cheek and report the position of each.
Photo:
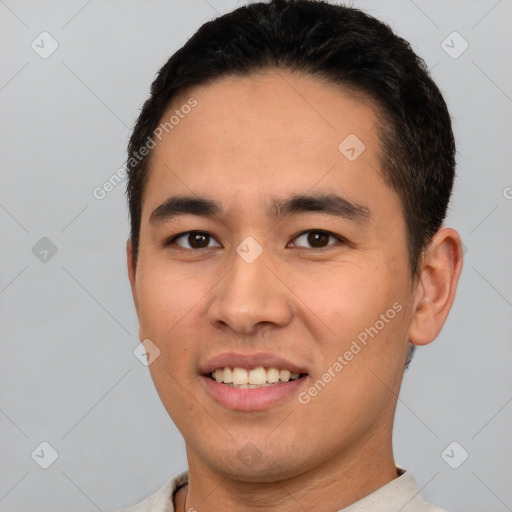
(166, 297)
(171, 302)
(346, 299)
(168, 301)
(363, 314)
(361, 362)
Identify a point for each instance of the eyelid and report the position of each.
(170, 241)
(339, 238)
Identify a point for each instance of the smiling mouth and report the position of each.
(260, 377)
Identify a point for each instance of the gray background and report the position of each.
(68, 375)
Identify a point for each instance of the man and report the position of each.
(288, 180)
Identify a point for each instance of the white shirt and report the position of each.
(400, 495)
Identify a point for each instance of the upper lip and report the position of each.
(249, 361)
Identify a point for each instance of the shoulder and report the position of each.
(162, 499)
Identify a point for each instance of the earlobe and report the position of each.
(439, 275)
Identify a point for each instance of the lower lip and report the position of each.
(256, 399)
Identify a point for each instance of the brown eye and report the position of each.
(194, 239)
(198, 240)
(316, 239)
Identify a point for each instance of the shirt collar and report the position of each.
(400, 495)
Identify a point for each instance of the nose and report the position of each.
(250, 296)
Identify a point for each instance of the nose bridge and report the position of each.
(250, 294)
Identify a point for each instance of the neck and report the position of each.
(334, 485)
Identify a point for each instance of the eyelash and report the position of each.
(339, 238)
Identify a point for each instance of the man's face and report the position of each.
(334, 307)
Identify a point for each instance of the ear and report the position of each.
(131, 273)
(439, 274)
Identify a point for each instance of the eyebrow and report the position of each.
(330, 204)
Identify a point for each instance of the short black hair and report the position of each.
(344, 46)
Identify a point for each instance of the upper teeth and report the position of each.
(257, 376)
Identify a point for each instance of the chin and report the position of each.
(249, 464)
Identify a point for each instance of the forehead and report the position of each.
(277, 131)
